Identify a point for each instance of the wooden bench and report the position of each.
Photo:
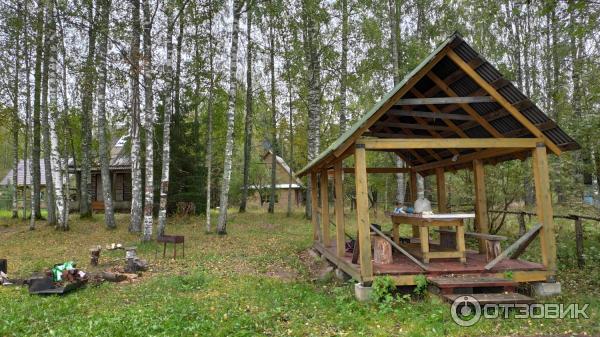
(97, 206)
(492, 242)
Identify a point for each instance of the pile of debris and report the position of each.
(61, 279)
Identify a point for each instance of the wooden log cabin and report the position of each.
(120, 172)
(454, 111)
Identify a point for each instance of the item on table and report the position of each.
(422, 205)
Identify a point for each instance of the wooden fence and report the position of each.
(578, 225)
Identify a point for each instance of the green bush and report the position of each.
(383, 288)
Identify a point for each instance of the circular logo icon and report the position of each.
(465, 310)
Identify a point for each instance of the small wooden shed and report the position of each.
(454, 111)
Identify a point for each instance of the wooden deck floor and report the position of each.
(403, 266)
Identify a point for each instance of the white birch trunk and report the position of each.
(109, 216)
(55, 157)
(15, 130)
(136, 165)
(166, 156)
(210, 120)
(149, 123)
(224, 202)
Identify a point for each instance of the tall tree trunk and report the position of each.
(135, 225)
(249, 114)
(16, 123)
(55, 156)
(166, 157)
(50, 196)
(291, 160)
(149, 115)
(89, 84)
(26, 161)
(344, 69)
(209, 127)
(177, 78)
(394, 24)
(103, 19)
(36, 213)
(274, 147)
(224, 202)
(311, 54)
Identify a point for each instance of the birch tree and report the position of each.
(87, 96)
(344, 69)
(62, 214)
(15, 117)
(394, 32)
(222, 223)
(35, 151)
(164, 180)
(273, 111)
(50, 196)
(209, 127)
(135, 121)
(149, 117)
(26, 162)
(103, 30)
(311, 54)
(249, 111)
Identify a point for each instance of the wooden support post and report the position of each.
(413, 198)
(579, 243)
(325, 209)
(424, 236)
(340, 227)
(543, 201)
(362, 213)
(314, 201)
(481, 214)
(441, 190)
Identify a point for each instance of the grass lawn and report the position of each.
(253, 282)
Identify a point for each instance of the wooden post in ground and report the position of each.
(314, 201)
(441, 190)
(362, 213)
(522, 227)
(325, 238)
(481, 214)
(543, 201)
(579, 242)
(413, 198)
(340, 227)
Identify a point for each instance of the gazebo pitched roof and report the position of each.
(453, 93)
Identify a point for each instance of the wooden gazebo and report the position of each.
(454, 111)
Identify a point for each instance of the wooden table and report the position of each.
(423, 222)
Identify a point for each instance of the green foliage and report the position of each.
(420, 284)
(383, 288)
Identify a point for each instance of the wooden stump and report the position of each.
(382, 251)
(95, 255)
(492, 249)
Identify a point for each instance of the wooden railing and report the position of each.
(578, 226)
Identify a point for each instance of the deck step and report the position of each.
(502, 298)
(471, 282)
